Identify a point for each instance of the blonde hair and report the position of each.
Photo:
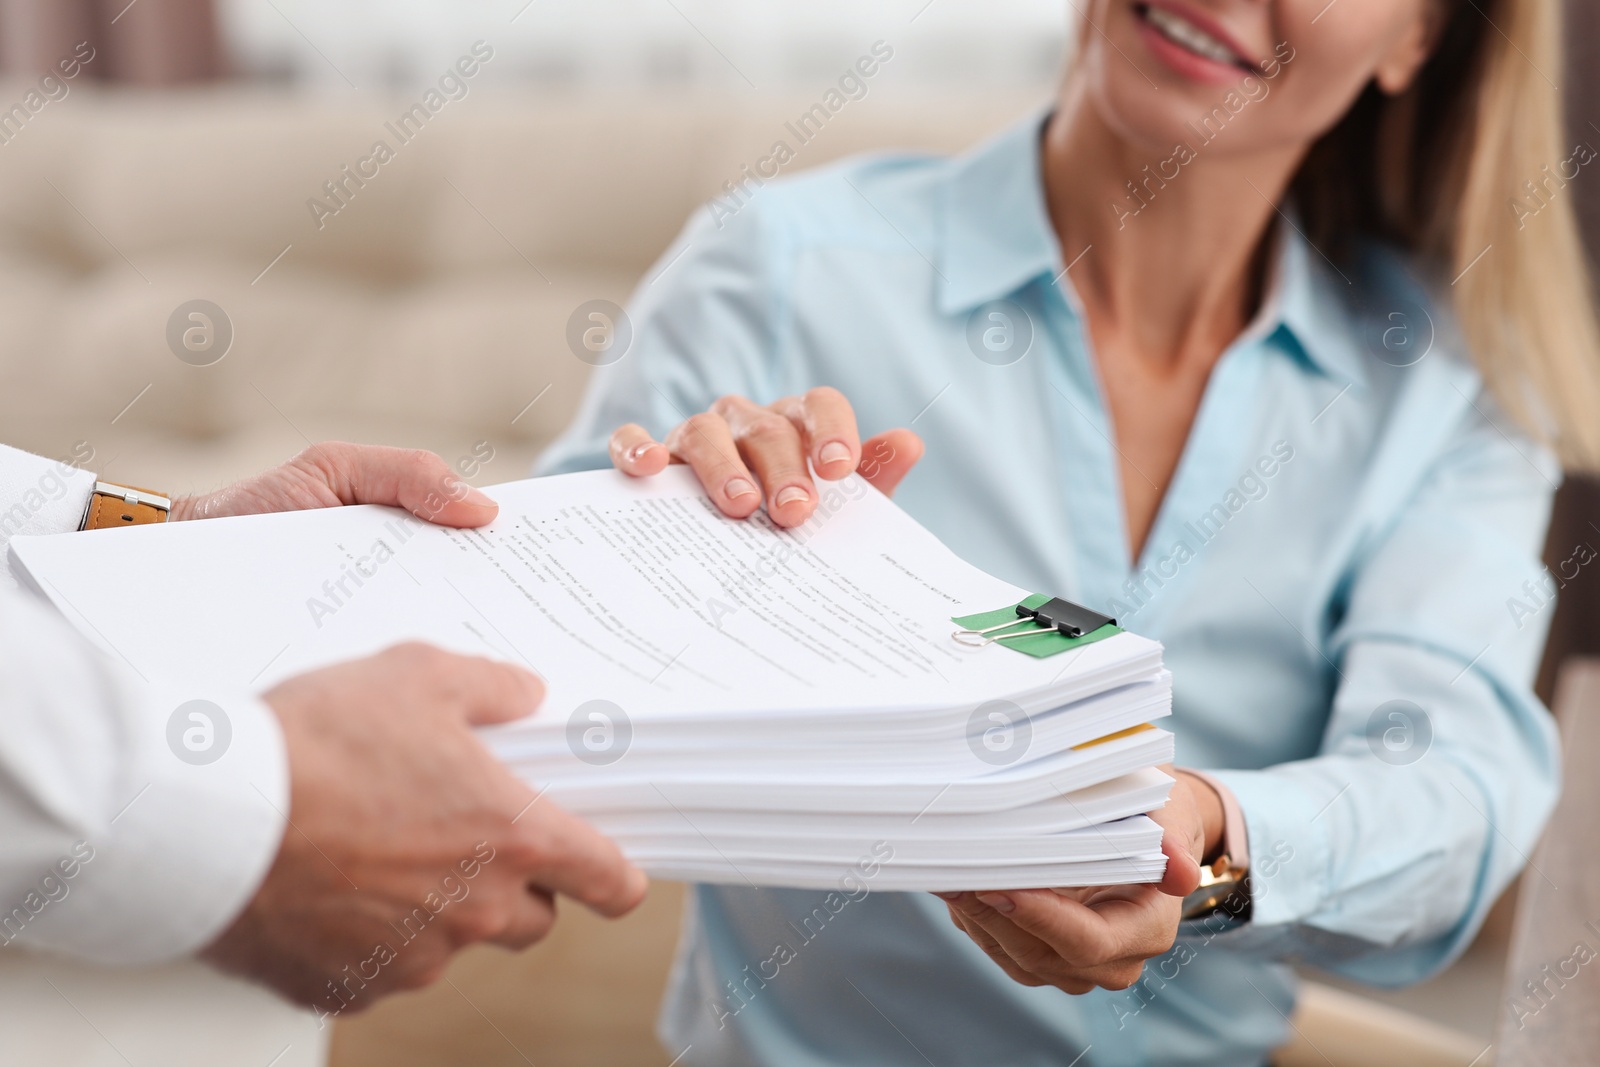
(1443, 170)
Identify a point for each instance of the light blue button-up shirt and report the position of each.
(1344, 571)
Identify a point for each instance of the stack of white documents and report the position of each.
(733, 702)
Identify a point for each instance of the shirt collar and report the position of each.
(996, 237)
(1313, 302)
(996, 234)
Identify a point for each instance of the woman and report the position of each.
(1259, 342)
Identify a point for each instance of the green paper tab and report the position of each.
(1047, 643)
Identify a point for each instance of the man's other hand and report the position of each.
(407, 839)
(333, 473)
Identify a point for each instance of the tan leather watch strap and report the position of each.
(124, 505)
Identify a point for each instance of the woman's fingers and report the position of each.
(1184, 823)
(827, 426)
(634, 452)
(998, 915)
(741, 450)
(1069, 944)
(706, 444)
(1182, 875)
(889, 457)
(1019, 952)
(773, 448)
(1124, 922)
(992, 949)
(529, 920)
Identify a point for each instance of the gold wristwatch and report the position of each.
(123, 505)
(1224, 882)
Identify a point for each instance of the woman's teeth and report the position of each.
(1186, 34)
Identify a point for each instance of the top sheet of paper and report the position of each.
(634, 591)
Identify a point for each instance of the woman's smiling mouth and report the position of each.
(1191, 44)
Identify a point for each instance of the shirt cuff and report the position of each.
(182, 859)
(1289, 848)
(39, 496)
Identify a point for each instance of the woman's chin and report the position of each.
(1146, 119)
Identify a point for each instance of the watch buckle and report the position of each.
(133, 496)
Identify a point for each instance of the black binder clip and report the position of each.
(1062, 616)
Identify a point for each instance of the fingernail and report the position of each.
(792, 495)
(999, 902)
(737, 487)
(637, 452)
(834, 452)
(477, 498)
(949, 896)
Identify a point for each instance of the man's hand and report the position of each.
(1098, 937)
(739, 443)
(407, 840)
(334, 473)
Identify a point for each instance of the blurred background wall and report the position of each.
(734, 45)
(427, 304)
(185, 158)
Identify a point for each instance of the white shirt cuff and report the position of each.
(39, 496)
(184, 857)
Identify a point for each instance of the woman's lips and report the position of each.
(1187, 49)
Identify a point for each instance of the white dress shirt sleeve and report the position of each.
(38, 496)
(114, 847)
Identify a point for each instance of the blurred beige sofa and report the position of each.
(431, 310)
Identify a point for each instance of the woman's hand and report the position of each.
(739, 448)
(334, 473)
(1097, 937)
